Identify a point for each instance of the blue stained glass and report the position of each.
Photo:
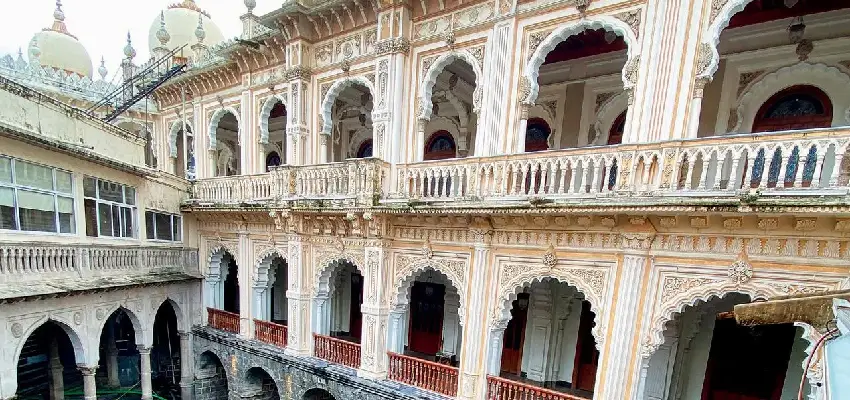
(758, 168)
(612, 178)
(773, 173)
(793, 161)
(811, 163)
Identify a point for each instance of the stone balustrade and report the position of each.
(37, 261)
(746, 165)
(773, 163)
(353, 182)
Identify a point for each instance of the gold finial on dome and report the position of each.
(59, 21)
(190, 5)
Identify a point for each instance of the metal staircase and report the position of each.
(140, 85)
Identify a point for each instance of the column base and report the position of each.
(372, 375)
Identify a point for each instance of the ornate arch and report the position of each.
(721, 13)
(77, 343)
(335, 89)
(176, 127)
(327, 265)
(408, 268)
(217, 251)
(263, 264)
(532, 68)
(214, 121)
(829, 79)
(607, 115)
(266, 111)
(590, 281)
(430, 78)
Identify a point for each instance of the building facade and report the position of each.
(504, 200)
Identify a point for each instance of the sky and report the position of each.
(102, 25)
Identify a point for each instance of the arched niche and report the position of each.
(434, 70)
(216, 119)
(266, 113)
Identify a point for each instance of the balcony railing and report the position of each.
(504, 389)
(39, 260)
(270, 332)
(358, 181)
(224, 320)
(423, 374)
(337, 351)
(774, 162)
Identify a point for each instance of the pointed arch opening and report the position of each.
(181, 146)
(166, 362)
(347, 119)
(120, 338)
(451, 90)
(226, 142)
(273, 120)
(47, 362)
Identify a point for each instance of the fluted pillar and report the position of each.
(186, 385)
(492, 124)
(472, 378)
(145, 371)
(373, 362)
(245, 272)
(89, 385)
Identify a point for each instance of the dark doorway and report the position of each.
(231, 285)
(427, 302)
(587, 356)
(515, 336)
(355, 323)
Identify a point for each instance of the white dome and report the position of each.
(55, 47)
(181, 20)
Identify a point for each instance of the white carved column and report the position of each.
(89, 384)
(397, 319)
(451, 321)
(298, 74)
(57, 381)
(492, 121)
(145, 371)
(245, 269)
(618, 357)
(300, 340)
(472, 377)
(373, 362)
(186, 363)
(247, 136)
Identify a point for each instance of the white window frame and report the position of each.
(153, 227)
(15, 186)
(134, 208)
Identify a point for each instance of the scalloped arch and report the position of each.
(404, 281)
(509, 291)
(176, 127)
(263, 264)
(716, 27)
(266, 111)
(532, 68)
(430, 79)
(337, 87)
(830, 79)
(327, 267)
(216, 118)
(699, 294)
(219, 248)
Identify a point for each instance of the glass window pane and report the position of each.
(36, 211)
(104, 212)
(163, 226)
(89, 187)
(149, 225)
(5, 170)
(63, 182)
(32, 175)
(66, 214)
(127, 217)
(90, 207)
(129, 195)
(116, 221)
(178, 229)
(7, 208)
(110, 191)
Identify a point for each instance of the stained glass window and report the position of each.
(758, 169)
(809, 168)
(773, 172)
(791, 170)
(795, 105)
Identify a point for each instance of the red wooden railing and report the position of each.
(337, 351)
(224, 320)
(505, 389)
(270, 332)
(423, 374)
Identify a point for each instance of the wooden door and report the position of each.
(587, 356)
(515, 336)
(747, 363)
(355, 320)
(427, 301)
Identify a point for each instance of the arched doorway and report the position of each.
(260, 385)
(794, 108)
(47, 363)
(166, 363)
(440, 146)
(211, 378)
(615, 134)
(449, 93)
(707, 355)
(347, 118)
(119, 354)
(337, 315)
(318, 394)
(547, 341)
(365, 149)
(537, 133)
